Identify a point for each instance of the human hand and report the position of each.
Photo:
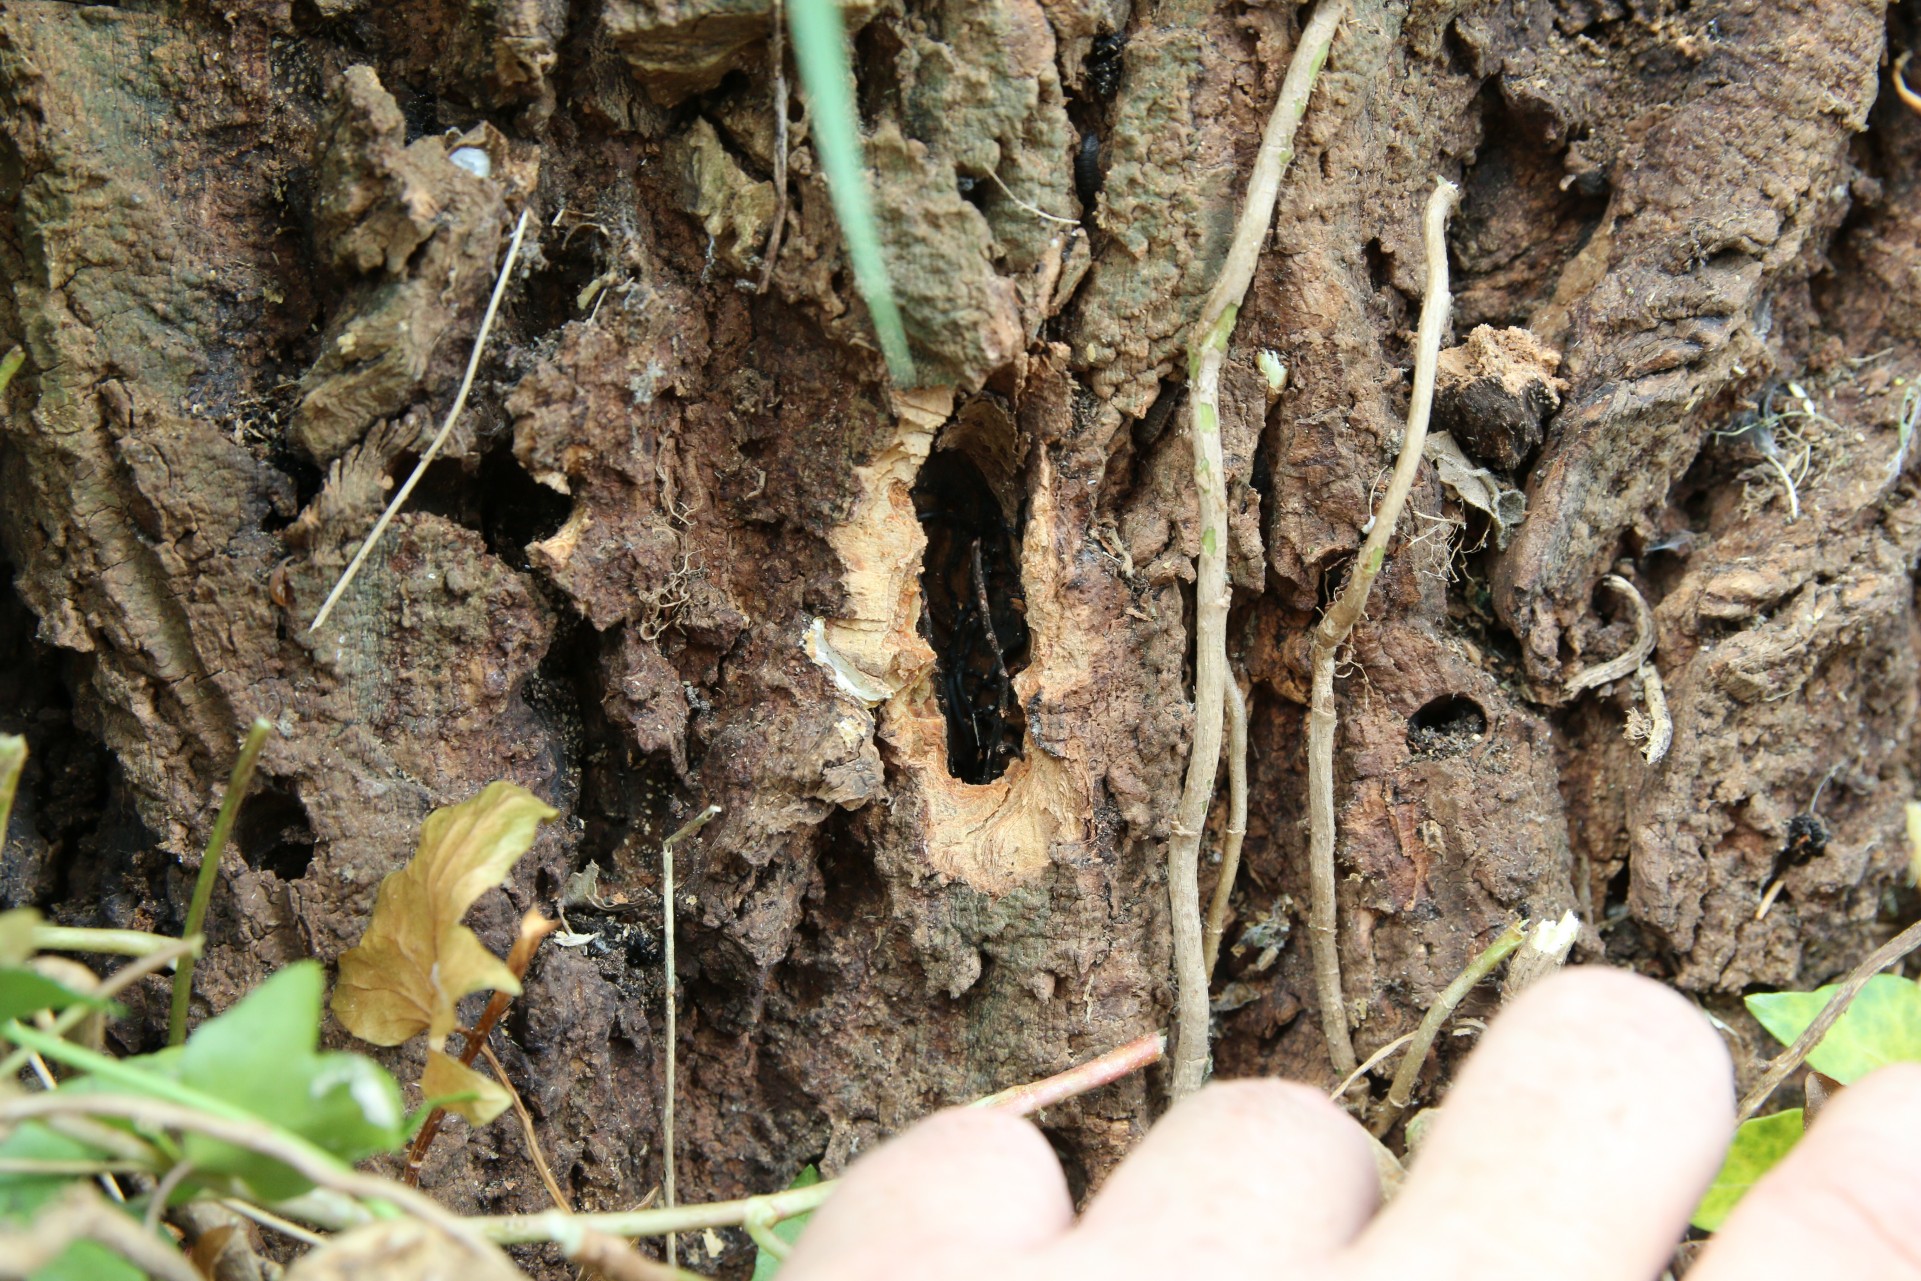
(1574, 1146)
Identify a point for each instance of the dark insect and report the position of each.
(1104, 64)
(1087, 170)
(975, 618)
(1807, 837)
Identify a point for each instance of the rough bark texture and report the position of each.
(675, 553)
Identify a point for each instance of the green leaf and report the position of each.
(1881, 1026)
(21, 1194)
(87, 1261)
(788, 1230)
(24, 991)
(16, 935)
(259, 1056)
(1758, 1146)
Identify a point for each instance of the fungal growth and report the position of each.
(974, 617)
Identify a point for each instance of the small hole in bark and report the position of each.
(273, 834)
(516, 509)
(973, 614)
(1446, 725)
(1380, 271)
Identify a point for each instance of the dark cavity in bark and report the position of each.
(974, 615)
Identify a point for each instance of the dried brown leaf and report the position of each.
(416, 960)
(447, 1077)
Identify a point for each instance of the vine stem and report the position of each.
(1236, 831)
(237, 784)
(766, 1210)
(1401, 1092)
(1207, 352)
(1339, 620)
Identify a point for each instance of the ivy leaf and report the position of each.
(22, 1193)
(788, 1230)
(87, 1261)
(260, 1056)
(416, 960)
(1758, 1146)
(16, 934)
(1881, 1026)
(24, 992)
(466, 1093)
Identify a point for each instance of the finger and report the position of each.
(1246, 1178)
(959, 1188)
(1576, 1142)
(1844, 1202)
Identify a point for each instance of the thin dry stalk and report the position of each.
(1207, 351)
(1025, 1100)
(1782, 1066)
(1332, 633)
(1368, 1064)
(1236, 827)
(526, 1120)
(693, 825)
(1901, 89)
(527, 1229)
(440, 437)
(1402, 1090)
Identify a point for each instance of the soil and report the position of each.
(687, 546)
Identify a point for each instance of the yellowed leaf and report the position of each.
(416, 959)
(447, 1076)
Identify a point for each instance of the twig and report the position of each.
(1628, 660)
(163, 1191)
(237, 784)
(1368, 1064)
(526, 1229)
(1236, 831)
(1036, 210)
(440, 437)
(268, 1219)
(1339, 620)
(526, 1129)
(1402, 1089)
(777, 55)
(1206, 352)
(1025, 1100)
(667, 1180)
(1901, 89)
(1783, 1064)
(533, 928)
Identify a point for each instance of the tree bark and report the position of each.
(930, 649)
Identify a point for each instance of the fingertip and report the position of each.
(961, 1186)
(1258, 1173)
(1842, 1202)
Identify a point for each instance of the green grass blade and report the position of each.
(820, 51)
(209, 871)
